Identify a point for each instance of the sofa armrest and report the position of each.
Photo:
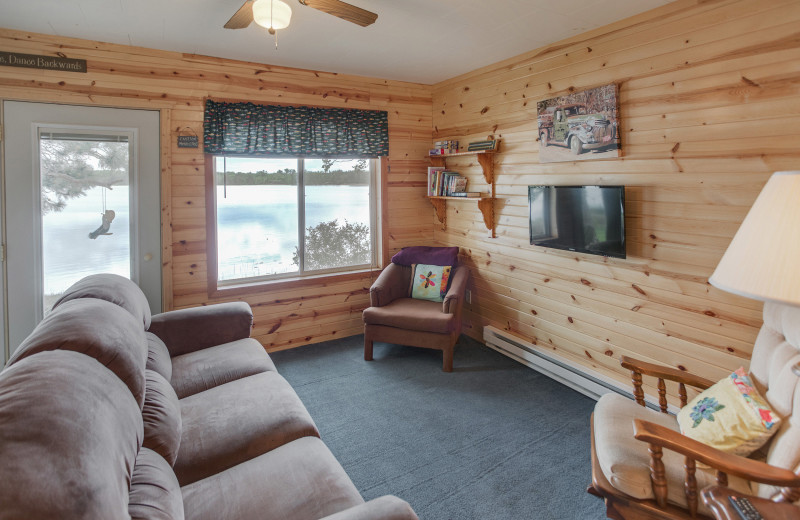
(196, 328)
(454, 298)
(390, 285)
(383, 508)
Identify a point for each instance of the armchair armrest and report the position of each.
(638, 368)
(390, 285)
(196, 328)
(454, 298)
(659, 437)
(728, 463)
(662, 372)
(383, 508)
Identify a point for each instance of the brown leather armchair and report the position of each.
(645, 469)
(393, 317)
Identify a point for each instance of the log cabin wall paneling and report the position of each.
(709, 95)
(177, 84)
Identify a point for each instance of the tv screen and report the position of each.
(587, 219)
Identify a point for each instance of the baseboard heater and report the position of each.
(582, 379)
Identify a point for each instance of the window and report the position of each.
(291, 217)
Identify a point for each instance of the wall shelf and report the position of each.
(485, 203)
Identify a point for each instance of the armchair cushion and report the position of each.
(626, 463)
(730, 416)
(429, 282)
(411, 314)
(426, 255)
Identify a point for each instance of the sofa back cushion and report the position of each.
(155, 492)
(69, 434)
(112, 288)
(97, 329)
(776, 351)
(158, 358)
(162, 417)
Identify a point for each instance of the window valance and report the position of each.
(292, 131)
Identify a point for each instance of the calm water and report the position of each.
(253, 237)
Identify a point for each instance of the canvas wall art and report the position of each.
(579, 126)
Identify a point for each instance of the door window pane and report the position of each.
(256, 217)
(85, 204)
(337, 213)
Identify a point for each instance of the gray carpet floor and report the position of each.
(492, 440)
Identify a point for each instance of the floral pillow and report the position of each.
(730, 416)
(429, 282)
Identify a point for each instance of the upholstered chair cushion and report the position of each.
(98, 329)
(162, 417)
(626, 463)
(112, 288)
(69, 434)
(155, 492)
(411, 314)
(776, 352)
(426, 255)
(158, 358)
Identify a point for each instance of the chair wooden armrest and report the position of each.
(659, 437)
(638, 368)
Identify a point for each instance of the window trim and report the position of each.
(292, 280)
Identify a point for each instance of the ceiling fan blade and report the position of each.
(242, 18)
(343, 10)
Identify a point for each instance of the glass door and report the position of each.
(82, 196)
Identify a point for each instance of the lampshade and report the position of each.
(763, 259)
(272, 14)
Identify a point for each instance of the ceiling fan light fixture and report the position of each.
(272, 14)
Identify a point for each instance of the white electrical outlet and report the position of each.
(469, 296)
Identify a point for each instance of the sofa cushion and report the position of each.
(238, 421)
(98, 329)
(162, 417)
(198, 371)
(112, 288)
(69, 434)
(300, 480)
(411, 314)
(626, 464)
(387, 507)
(158, 356)
(155, 493)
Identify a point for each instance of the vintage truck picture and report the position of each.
(579, 126)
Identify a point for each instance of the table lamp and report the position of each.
(763, 259)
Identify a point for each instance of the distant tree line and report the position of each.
(289, 176)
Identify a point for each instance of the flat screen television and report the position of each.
(586, 219)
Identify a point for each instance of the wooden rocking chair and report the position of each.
(644, 468)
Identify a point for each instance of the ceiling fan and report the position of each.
(244, 16)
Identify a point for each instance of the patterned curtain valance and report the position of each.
(287, 131)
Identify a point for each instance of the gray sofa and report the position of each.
(108, 412)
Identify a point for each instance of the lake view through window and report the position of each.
(280, 217)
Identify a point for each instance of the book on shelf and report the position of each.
(444, 147)
(467, 194)
(433, 179)
(489, 144)
(443, 183)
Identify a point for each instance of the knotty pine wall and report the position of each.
(710, 94)
(177, 84)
